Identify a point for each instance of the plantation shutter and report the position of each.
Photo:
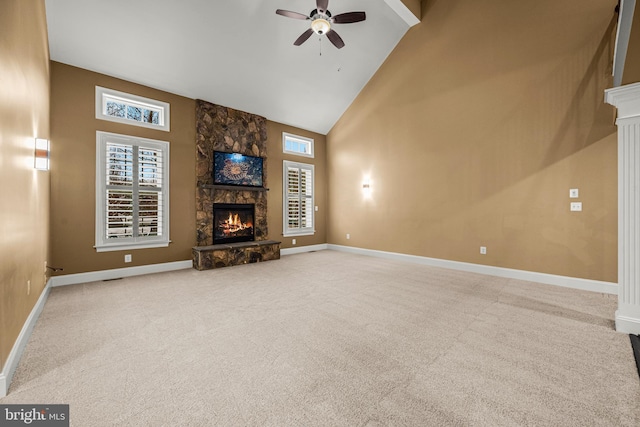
(298, 198)
(150, 171)
(293, 198)
(132, 177)
(119, 188)
(306, 199)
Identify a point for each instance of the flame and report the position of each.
(233, 224)
(234, 219)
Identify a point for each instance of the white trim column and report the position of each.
(627, 100)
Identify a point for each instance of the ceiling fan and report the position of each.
(321, 21)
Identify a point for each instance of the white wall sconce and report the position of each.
(366, 188)
(41, 154)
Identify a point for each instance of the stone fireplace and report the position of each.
(227, 130)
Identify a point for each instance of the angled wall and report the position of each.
(472, 133)
(24, 193)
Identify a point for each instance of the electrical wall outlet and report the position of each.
(316, 209)
(576, 206)
(483, 250)
(127, 258)
(293, 241)
(348, 236)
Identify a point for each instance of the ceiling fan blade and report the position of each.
(303, 38)
(335, 39)
(322, 5)
(349, 18)
(289, 14)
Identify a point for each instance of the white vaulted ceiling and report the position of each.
(238, 53)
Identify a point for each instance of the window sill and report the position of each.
(301, 233)
(131, 246)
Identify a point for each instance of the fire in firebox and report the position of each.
(233, 223)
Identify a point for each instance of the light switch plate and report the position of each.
(576, 206)
(574, 193)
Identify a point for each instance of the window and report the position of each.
(298, 199)
(131, 109)
(132, 192)
(298, 145)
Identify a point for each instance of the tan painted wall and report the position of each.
(73, 171)
(632, 63)
(73, 128)
(24, 193)
(414, 7)
(474, 130)
(274, 173)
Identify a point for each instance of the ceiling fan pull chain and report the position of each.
(320, 39)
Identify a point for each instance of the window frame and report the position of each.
(301, 231)
(104, 244)
(299, 139)
(104, 94)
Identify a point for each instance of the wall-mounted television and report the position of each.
(237, 169)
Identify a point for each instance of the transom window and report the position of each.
(298, 192)
(132, 192)
(135, 110)
(298, 145)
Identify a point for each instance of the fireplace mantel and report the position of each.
(232, 187)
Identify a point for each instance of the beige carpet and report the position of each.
(329, 339)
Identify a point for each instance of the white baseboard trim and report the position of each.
(301, 249)
(626, 324)
(530, 276)
(117, 273)
(11, 364)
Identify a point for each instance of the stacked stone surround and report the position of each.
(232, 131)
(224, 129)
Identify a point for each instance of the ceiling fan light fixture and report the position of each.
(320, 26)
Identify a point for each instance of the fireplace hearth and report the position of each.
(233, 223)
